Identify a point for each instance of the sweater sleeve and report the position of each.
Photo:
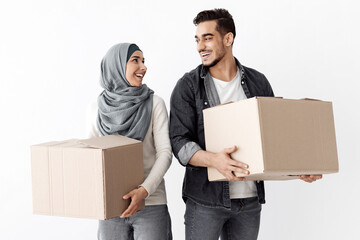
(162, 147)
(91, 116)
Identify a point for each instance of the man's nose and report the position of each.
(200, 45)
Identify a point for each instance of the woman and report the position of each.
(129, 108)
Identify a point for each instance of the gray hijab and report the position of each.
(123, 109)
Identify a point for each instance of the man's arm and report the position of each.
(183, 136)
(183, 122)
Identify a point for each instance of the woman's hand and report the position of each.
(136, 195)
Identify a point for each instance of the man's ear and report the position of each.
(229, 39)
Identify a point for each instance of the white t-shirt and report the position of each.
(233, 91)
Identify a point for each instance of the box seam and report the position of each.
(261, 134)
(104, 185)
(62, 180)
(50, 181)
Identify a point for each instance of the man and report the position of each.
(230, 209)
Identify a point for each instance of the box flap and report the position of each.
(307, 99)
(54, 143)
(109, 141)
(263, 97)
(310, 99)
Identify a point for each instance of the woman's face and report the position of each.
(135, 69)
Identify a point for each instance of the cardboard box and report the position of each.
(278, 138)
(85, 178)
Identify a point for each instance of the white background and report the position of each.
(50, 57)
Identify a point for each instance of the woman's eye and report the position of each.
(135, 60)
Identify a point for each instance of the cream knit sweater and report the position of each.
(156, 150)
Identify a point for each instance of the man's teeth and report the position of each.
(205, 54)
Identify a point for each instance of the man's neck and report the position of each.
(224, 70)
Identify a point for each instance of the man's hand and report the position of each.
(227, 166)
(136, 195)
(310, 178)
(222, 162)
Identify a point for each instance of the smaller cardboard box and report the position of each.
(278, 138)
(85, 178)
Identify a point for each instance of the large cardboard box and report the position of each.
(85, 178)
(278, 138)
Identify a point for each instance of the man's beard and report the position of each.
(213, 63)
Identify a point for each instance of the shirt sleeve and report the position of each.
(162, 147)
(183, 122)
(268, 89)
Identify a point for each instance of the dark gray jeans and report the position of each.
(242, 221)
(151, 223)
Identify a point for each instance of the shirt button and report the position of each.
(242, 82)
(205, 103)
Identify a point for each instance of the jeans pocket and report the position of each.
(252, 204)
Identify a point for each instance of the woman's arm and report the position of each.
(162, 146)
(162, 162)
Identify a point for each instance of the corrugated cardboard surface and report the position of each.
(126, 174)
(299, 133)
(278, 138)
(225, 128)
(76, 180)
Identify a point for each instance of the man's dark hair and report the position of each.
(224, 20)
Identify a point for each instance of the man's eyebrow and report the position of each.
(205, 35)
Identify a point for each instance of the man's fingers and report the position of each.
(230, 150)
(310, 178)
(317, 177)
(238, 164)
(238, 170)
(233, 178)
(238, 179)
(230, 177)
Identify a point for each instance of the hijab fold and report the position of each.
(122, 108)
